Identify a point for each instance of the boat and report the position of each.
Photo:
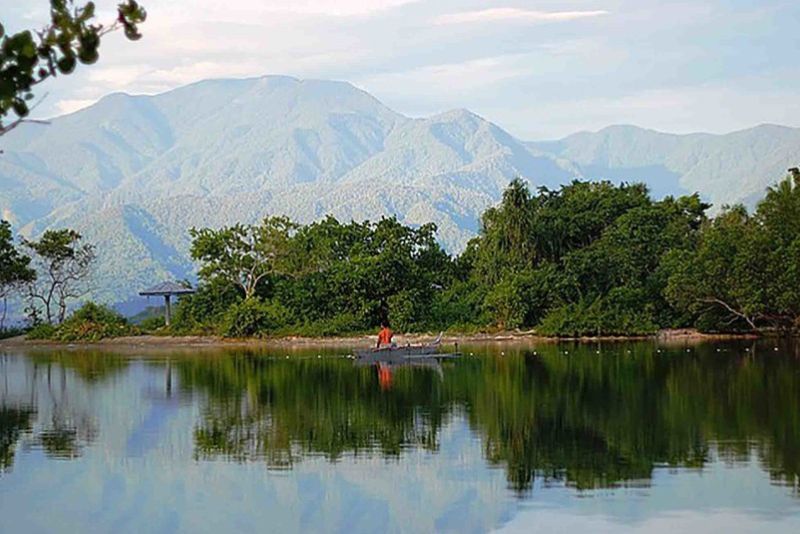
(404, 353)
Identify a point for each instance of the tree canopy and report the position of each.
(586, 259)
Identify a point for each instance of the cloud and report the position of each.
(510, 14)
(442, 78)
(589, 62)
(118, 77)
(253, 9)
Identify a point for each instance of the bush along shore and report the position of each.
(589, 259)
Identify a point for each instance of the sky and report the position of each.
(540, 69)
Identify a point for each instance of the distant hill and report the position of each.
(725, 169)
(133, 173)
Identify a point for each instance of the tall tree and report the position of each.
(63, 264)
(28, 58)
(727, 276)
(14, 268)
(244, 255)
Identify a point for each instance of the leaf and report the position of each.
(20, 108)
(66, 64)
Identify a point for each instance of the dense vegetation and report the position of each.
(591, 258)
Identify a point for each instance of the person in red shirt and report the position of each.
(384, 336)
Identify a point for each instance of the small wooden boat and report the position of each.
(404, 353)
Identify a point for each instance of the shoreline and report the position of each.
(665, 337)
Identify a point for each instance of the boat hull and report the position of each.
(396, 353)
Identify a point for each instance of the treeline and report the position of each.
(587, 259)
(591, 258)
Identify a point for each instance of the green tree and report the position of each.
(778, 216)
(366, 271)
(63, 264)
(28, 58)
(244, 255)
(728, 272)
(15, 268)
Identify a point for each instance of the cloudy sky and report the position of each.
(540, 69)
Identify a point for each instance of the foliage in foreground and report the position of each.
(28, 58)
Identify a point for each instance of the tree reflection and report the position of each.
(262, 408)
(585, 420)
(90, 365)
(55, 418)
(561, 414)
(14, 422)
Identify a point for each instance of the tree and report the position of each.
(14, 268)
(778, 217)
(28, 58)
(367, 271)
(244, 255)
(727, 275)
(62, 265)
(745, 268)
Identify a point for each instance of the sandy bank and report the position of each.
(666, 337)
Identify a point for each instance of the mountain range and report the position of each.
(134, 173)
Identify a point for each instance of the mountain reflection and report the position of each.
(582, 419)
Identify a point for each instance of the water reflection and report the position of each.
(546, 416)
(589, 421)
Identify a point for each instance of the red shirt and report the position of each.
(385, 336)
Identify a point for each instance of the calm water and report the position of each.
(622, 437)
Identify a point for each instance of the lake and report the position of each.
(604, 437)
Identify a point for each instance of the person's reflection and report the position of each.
(384, 376)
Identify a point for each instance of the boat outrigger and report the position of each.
(404, 353)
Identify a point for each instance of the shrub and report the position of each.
(459, 307)
(404, 310)
(151, 324)
(93, 322)
(252, 318)
(520, 299)
(41, 331)
(205, 310)
(6, 333)
(90, 322)
(341, 324)
(620, 312)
